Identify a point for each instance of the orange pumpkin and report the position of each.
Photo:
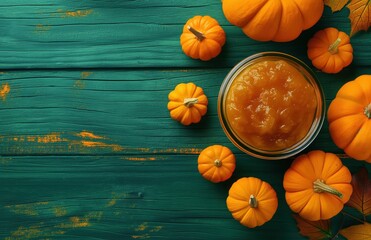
(187, 103)
(202, 38)
(317, 185)
(252, 201)
(330, 50)
(216, 163)
(349, 117)
(279, 20)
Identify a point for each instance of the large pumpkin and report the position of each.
(317, 185)
(276, 20)
(349, 117)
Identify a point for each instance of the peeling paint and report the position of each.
(76, 13)
(146, 230)
(85, 74)
(144, 236)
(40, 28)
(179, 150)
(86, 134)
(78, 222)
(28, 209)
(92, 144)
(4, 91)
(139, 158)
(141, 227)
(80, 83)
(60, 211)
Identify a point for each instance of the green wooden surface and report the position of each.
(87, 147)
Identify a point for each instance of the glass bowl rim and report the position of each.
(318, 118)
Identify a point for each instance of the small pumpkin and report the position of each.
(202, 38)
(349, 117)
(330, 50)
(252, 201)
(187, 103)
(216, 163)
(278, 20)
(317, 185)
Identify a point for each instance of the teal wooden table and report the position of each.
(87, 147)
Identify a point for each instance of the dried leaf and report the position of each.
(360, 15)
(357, 232)
(336, 5)
(313, 230)
(361, 196)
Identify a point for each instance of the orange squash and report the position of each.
(216, 163)
(278, 20)
(330, 50)
(252, 201)
(349, 117)
(317, 185)
(187, 103)
(202, 38)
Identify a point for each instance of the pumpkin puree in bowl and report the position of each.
(270, 105)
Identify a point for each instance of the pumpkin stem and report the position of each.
(198, 34)
(333, 48)
(189, 102)
(218, 163)
(253, 202)
(368, 111)
(319, 187)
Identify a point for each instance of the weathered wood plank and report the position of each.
(129, 197)
(108, 33)
(115, 111)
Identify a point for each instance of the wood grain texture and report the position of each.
(116, 111)
(114, 197)
(114, 33)
(87, 147)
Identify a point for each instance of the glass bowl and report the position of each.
(271, 105)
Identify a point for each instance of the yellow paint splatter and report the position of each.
(143, 236)
(80, 83)
(60, 211)
(33, 232)
(29, 209)
(4, 91)
(77, 13)
(86, 134)
(92, 144)
(25, 233)
(42, 28)
(85, 74)
(146, 229)
(139, 158)
(78, 222)
(191, 151)
(156, 229)
(50, 138)
(47, 138)
(111, 202)
(141, 227)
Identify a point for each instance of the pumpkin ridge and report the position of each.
(318, 170)
(302, 16)
(365, 97)
(302, 174)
